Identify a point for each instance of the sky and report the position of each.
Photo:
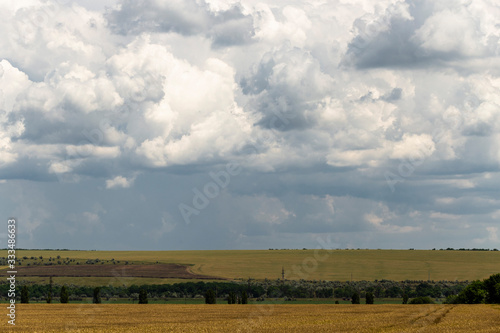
(246, 124)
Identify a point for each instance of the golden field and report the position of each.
(336, 265)
(253, 318)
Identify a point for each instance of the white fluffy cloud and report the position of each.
(341, 94)
(119, 181)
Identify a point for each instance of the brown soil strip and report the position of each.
(171, 271)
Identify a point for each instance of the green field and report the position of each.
(337, 265)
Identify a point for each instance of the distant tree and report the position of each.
(492, 287)
(244, 297)
(97, 296)
(231, 298)
(393, 291)
(355, 298)
(64, 295)
(210, 297)
(25, 295)
(474, 293)
(405, 298)
(134, 297)
(337, 302)
(49, 296)
(369, 298)
(143, 297)
(426, 289)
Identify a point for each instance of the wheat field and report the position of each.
(254, 318)
(336, 265)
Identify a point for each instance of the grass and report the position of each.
(254, 318)
(338, 265)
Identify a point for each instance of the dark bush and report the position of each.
(422, 300)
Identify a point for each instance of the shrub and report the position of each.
(422, 300)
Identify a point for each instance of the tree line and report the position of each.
(253, 289)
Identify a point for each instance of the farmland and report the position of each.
(155, 270)
(334, 265)
(125, 268)
(255, 318)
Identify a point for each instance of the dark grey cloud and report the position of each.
(286, 100)
(394, 95)
(135, 17)
(224, 28)
(231, 27)
(416, 34)
(391, 48)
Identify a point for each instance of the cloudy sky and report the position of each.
(247, 124)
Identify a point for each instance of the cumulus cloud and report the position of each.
(346, 118)
(224, 26)
(120, 181)
(413, 34)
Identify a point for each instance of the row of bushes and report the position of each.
(63, 295)
(486, 291)
(267, 288)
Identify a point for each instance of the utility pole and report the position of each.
(283, 273)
